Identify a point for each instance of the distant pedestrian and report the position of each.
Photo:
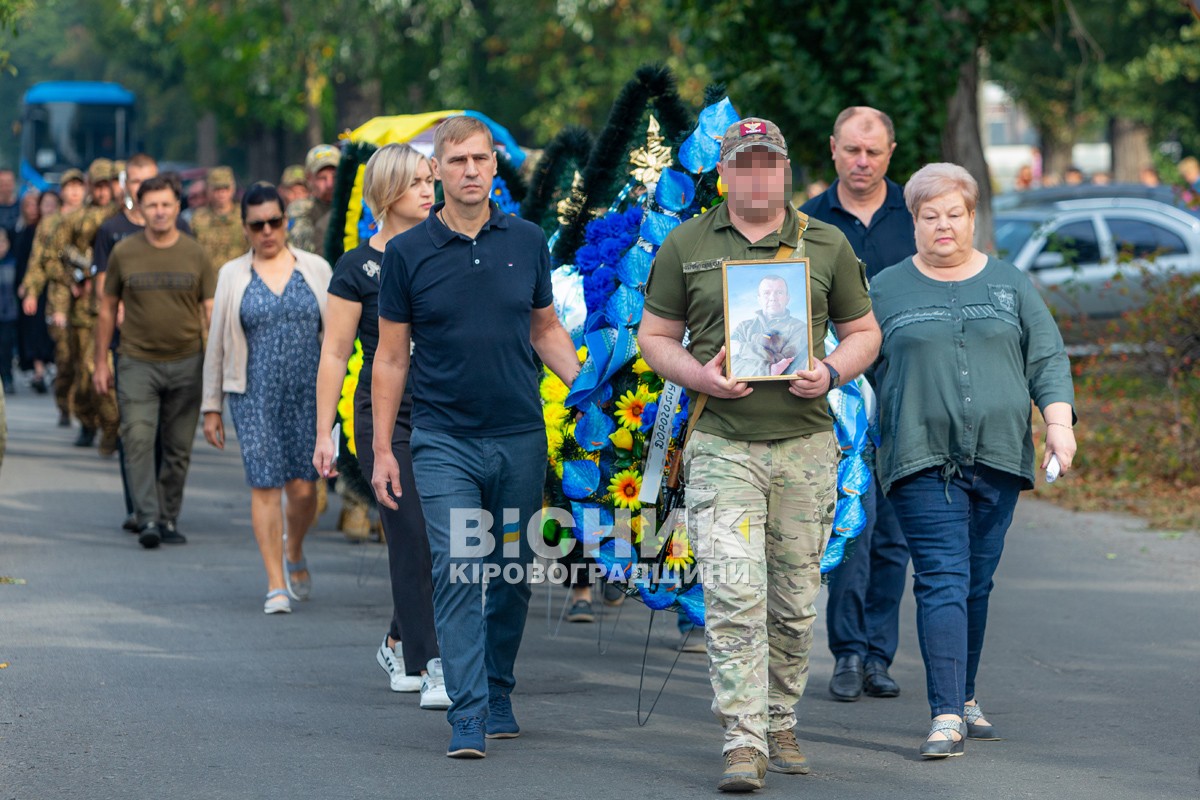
(1189, 170)
(45, 265)
(34, 344)
(10, 211)
(197, 198)
(467, 296)
(312, 214)
(1148, 176)
(293, 187)
(10, 312)
(165, 282)
(262, 355)
(967, 345)
(217, 226)
(398, 188)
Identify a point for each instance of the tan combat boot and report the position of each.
(785, 755)
(745, 769)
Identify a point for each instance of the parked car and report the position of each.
(1091, 257)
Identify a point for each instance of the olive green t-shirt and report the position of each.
(163, 289)
(685, 284)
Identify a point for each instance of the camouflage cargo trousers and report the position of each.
(759, 514)
(91, 409)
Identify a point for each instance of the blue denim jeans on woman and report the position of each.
(954, 521)
(455, 478)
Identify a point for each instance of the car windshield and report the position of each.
(1011, 236)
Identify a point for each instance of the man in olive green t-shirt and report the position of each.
(761, 466)
(166, 283)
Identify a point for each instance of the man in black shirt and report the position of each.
(862, 615)
(470, 287)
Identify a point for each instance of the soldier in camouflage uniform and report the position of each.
(45, 266)
(761, 466)
(218, 226)
(73, 292)
(310, 216)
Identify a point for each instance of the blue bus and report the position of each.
(67, 124)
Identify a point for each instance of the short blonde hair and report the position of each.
(934, 180)
(458, 129)
(389, 174)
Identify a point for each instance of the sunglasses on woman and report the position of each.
(257, 225)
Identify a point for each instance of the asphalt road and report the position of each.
(155, 674)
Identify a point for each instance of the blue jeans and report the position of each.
(455, 476)
(955, 529)
(863, 611)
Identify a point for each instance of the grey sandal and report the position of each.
(948, 746)
(986, 733)
(300, 588)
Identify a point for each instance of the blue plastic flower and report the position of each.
(649, 414)
(581, 478)
(675, 190)
(592, 431)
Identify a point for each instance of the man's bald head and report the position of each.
(865, 116)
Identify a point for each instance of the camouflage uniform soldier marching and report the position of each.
(73, 292)
(45, 267)
(311, 215)
(761, 466)
(218, 226)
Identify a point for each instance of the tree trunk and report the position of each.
(961, 144)
(1056, 151)
(1130, 149)
(206, 140)
(357, 102)
(262, 154)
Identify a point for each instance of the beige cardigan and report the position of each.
(227, 352)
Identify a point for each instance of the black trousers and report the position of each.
(409, 561)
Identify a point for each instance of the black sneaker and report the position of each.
(38, 385)
(131, 524)
(150, 536)
(86, 438)
(170, 534)
(64, 419)
(580, 611)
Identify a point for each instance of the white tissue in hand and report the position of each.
(1053, 469)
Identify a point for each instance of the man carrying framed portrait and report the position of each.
(760, 467)
(766, 341)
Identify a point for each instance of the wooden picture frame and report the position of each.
(768, 326)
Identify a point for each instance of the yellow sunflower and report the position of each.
(679, 553)
(625, 488)
(630, 408)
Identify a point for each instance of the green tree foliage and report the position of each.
(803, 64)
(1086, 62)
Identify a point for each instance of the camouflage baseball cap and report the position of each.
(71, 175)
(220, 178)
(101, 170)
(118, 168)
(749, 132)
(292, 176)
(321, 156)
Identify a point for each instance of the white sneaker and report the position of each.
(393, 664)
(433, 687)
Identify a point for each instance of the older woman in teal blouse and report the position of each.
(967, 344)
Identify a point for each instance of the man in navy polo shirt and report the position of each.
(470, 289)
(864, 593)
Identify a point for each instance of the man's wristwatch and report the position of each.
(835, 378)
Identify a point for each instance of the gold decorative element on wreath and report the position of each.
(570, 206)
(651, 160)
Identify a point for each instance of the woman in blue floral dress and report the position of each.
(263, 350)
